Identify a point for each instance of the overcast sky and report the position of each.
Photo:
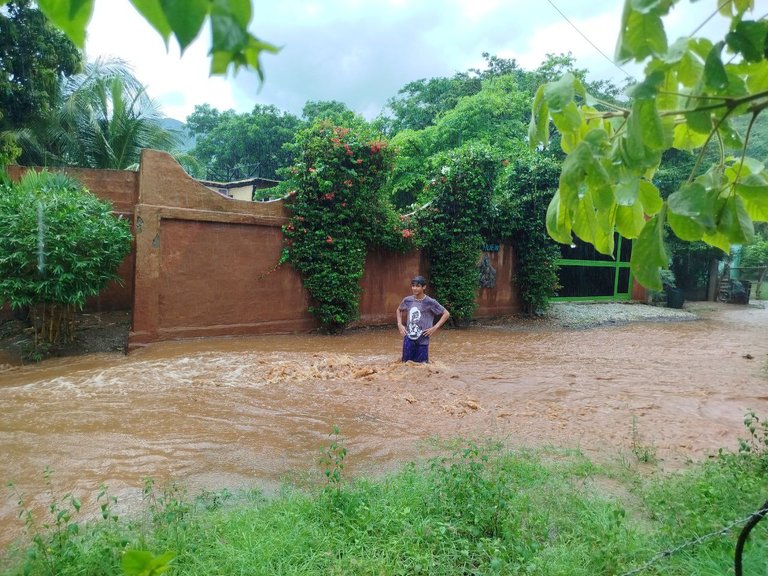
(362, 52)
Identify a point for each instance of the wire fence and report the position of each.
(749, 522)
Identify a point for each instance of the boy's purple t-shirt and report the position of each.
(421, 315)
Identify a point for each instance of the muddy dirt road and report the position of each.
(256, 411)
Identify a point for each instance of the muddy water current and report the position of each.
(257, 411)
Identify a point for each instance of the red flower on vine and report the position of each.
(407, 233)
(348, 183)
(348, 149)
(328, 240)
(329, 195)
(377, 146)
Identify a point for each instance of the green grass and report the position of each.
(477, 510)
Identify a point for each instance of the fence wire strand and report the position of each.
(672, 551)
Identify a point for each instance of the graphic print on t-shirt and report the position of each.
(414, 330)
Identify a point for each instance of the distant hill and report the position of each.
(186, 140)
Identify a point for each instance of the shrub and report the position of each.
(536, 266)
(525, 190)
(59, 245)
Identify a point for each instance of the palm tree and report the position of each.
(104, 119)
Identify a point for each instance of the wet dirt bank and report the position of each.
(256, 411)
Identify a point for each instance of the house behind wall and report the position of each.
(241, 189)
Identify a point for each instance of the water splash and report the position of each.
(40, 237)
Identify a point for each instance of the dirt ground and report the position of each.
(95, 332)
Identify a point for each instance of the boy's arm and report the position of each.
(443, 320)
(400, 325)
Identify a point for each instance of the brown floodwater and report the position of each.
(257, 411)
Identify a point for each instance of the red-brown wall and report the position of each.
(205, 265)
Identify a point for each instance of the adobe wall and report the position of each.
(121, 188)
(205, 266)
(386, 281)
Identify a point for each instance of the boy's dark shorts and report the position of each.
(415, 352)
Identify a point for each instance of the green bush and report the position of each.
(536, 266)
(59, 245)
(755, 255)
(523, 192)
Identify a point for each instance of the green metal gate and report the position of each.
(585, 274)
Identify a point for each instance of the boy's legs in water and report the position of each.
(415, 352)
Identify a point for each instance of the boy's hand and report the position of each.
(402, 330)
(429, 331)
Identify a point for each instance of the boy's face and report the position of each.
(417, 289)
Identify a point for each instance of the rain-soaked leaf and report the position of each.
(71, 16)
(648, 253)
(186, 18)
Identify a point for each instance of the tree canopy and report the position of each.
(331, 110)
(34, 58)
(234, 146)
(693, 92)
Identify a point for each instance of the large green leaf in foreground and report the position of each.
(692, 91)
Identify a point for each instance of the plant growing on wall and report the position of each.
(450, 228)
(338, 212)
(59, 245)
(523, 192)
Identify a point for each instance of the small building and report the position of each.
(240, 189)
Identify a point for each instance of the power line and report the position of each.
(603, 54)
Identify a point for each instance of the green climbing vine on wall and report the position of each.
(450, 228)
(338, 212)
(524, 189)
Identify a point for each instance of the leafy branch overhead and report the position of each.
(697, 95)
(231, 42)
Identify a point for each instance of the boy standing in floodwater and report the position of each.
(421, 311)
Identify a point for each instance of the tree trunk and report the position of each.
(712, 284)
(760, 279)
(53, 323)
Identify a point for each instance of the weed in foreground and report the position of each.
(757, 442)
(643, 452)
(332, 460)
(57, 539)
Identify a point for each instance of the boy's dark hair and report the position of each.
(420, 280)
